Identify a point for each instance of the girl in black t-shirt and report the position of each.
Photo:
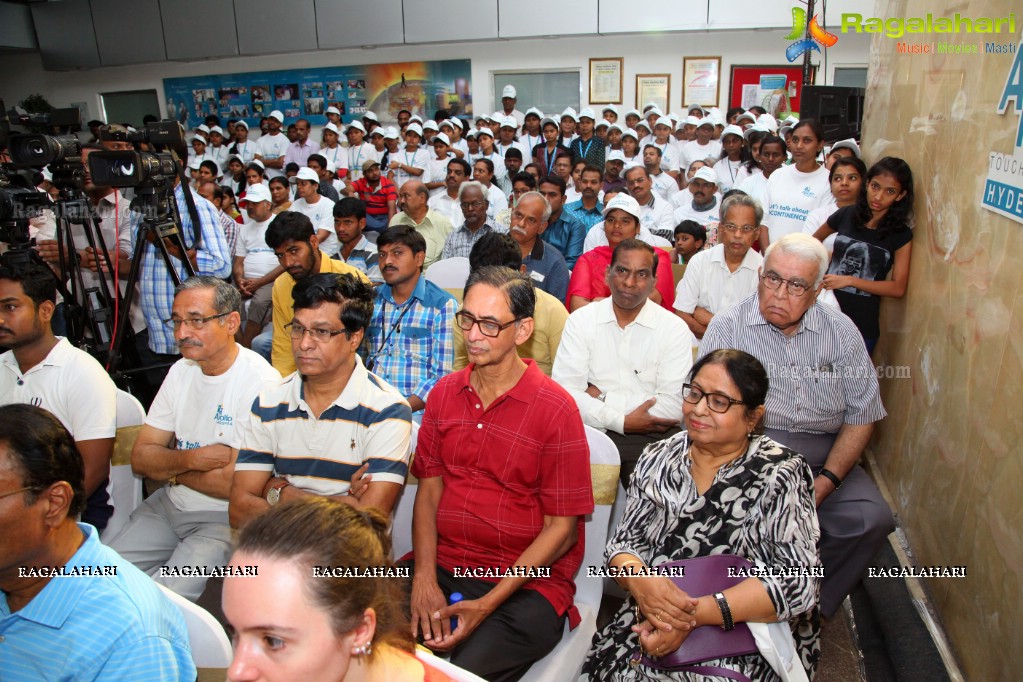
(874, 239)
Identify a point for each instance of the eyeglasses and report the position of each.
(487, 327)
(795, 288)
(745, 229)
(297, 331)
(19, 490)
(717, 402)
(469, 205)
(193, 322)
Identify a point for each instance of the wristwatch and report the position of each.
(273, 495)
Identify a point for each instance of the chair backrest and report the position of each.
(210, 646)
(450, 273)
(401, 523)
(678, 270)
(125, 488)
(605, 464)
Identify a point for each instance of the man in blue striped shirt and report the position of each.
(823, 401)
(409, 343)
(70, 607)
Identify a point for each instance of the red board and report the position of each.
(748, 75)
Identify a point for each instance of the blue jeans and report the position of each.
(263, 344)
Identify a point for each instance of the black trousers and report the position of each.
(631, 446)
(520, 632)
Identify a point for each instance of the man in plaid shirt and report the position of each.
(379, 193)
(410, 342)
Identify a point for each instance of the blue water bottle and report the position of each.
(454, 599)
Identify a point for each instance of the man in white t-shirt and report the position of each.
(47, 371)
(255, 265)
(720, 277)
(319, 208)
(703, 146)
(699, 200)
(189, 437)
(245, 148)
(273, 146)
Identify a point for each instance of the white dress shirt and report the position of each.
(650, 357)
(709, 284)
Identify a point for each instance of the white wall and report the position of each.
(21, 75)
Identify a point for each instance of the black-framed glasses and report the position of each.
(794, 287)
(469, 205)
(717, 402)
(487, 327)
(745, 229)
(193, 322)
(297, 331)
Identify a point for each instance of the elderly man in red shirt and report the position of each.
(379, 194)
(504, 484)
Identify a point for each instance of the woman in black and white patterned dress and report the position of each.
(715, 488)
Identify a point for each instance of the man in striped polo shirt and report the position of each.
(823, 401)
(313, 432)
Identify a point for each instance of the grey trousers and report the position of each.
(159, 534)
(854, 520)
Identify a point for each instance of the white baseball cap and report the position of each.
(602, 123)
(471, 134)
(484, 131)
(616, 155)
(200, 139)
(642, 122)
(650, 105)
(497, 116)
(306, 173)
(390, 133)
(732, 130)
(533, 111)
(625, 203)
(414, 128)
(633, 112)
(663, 121)
(202, 127)
(431, 125)
(441, 137)
(705, 121)
(241, 124)
(257, 162)
(847, 144)
(691, 121)
(706, 174)
(218, 130)
(509, 122)
(509, 91)
(588, 113)
(629, 132)
(332, 128)
(751, 117)
(654, 112)
(371, 116)
(255, 193)
(768, 121)
(611, 108)
(276, 114)
(570, 112)
(548, 119)
(195, 163)
(357, 125)
(333, 110)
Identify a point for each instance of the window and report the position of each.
(851, 77)
(549, 91)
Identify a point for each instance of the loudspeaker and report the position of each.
(838, 109)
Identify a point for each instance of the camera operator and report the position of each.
(110, 210)
(156, 345)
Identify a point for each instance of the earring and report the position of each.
(363, 650)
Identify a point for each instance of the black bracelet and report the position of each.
(726, 613)
(835, 480)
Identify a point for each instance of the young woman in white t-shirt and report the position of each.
(793, 191)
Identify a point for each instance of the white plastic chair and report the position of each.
(611, 587)
(566, 660)
(401, 524)
(210, 646)
(450, 273)
(125, 488)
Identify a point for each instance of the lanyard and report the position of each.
(333, 159)
(550, 158)
(586, 151)
(395, 326)
(353, 165)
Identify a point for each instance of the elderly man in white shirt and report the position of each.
(718, 278)
(624, 358)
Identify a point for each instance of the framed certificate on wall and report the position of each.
(653, 87)
(606, 80)
(701, 81)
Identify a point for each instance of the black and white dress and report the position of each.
(760, 506)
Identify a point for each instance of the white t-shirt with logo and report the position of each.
(202, 410)
(790, 197)
(273, 147)
(322, 215)
(251, 245)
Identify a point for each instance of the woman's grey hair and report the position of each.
(226, 298)
(516, 286)
(546, 204)
(804, 247)
(473, 183)
(742, 200)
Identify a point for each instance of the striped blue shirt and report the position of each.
(156, 288)
(820, 378)
(411, 345)
(368, 422)
(107, 627)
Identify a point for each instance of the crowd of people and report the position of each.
(704, 289)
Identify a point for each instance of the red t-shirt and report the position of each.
(589, 282)
(376, 199)
(504, 469)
